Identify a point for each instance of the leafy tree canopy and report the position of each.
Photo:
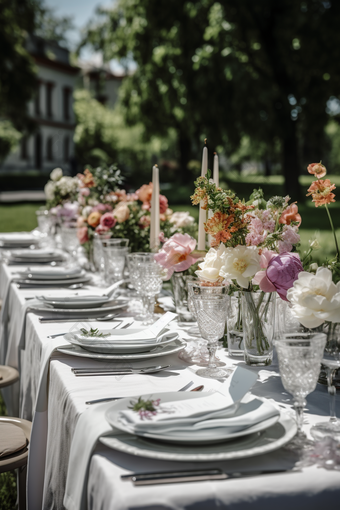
(265, 69)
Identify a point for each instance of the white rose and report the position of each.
(49, 190)
(315, 298)
(240, 264)
(182, 219)
(56, 174)
(211, 265)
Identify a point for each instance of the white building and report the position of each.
(52, 144)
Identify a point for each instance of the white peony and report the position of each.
(211, 265)
(182, 219)
(315, 298)
(240, 264)
(56, 174)
(49, 190)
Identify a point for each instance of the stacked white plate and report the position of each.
(52, 276)
(121, 341)
(36, 256)
(18, 239)
(185, 429)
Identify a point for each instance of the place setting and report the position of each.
(123, 342)
(35, 256)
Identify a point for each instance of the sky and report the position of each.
(81, 11)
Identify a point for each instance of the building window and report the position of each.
(37, 109)
(23, 151)
(49, 95)
(49, 149)
(66, 102)
(37, 151)
(66, 148)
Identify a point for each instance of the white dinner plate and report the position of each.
(99, 346)
(49, 274)
(82, 312)
(259, 443)
(77, 303)
(192, 435)
(160, 350)
(49, 283)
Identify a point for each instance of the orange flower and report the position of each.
(321, 192)
(88, 180)
(217, 226)
(198, 196)
(290, 214)
(144, 193)
(317, 169)
(94, 219)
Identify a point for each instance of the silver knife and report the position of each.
(193, 476)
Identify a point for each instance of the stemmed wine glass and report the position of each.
(152, 275)
(331, 361)
(299, 357)
(211, 313)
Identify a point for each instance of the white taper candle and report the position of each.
(155, 220)
(202, 214)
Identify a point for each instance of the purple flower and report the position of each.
(281, 273)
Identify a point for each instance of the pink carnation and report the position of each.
(175, 254)
(82, 235)
(108, 220)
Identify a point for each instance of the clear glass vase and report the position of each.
(258, 316)
(235, 325)
(180, 293)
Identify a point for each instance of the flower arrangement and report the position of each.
(105, 208)
(315, 295)
(248, 235)
(60, 189)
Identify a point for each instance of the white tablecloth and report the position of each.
(67, 394)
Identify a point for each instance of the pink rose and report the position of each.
(85, 192)
(281, 273)
(175, 253)
(103, 230)
(82, 235)
(163, 204)
(144, 221)
(108, 220)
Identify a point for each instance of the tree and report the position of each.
(17, 74)
(263, 69)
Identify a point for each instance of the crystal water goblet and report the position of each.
(211, 310)
(135, 262)
(152, 275)
(331, 361)
(69, 239)
(114, 262)
(300, 356)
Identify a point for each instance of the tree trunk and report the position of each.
(291, 167)
(184, 146)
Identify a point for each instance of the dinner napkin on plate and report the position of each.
(109, 338)
(74, 299)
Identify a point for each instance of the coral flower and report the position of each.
(144, 193)
(321, 192)
(317, 169)
(175, 254)
(87, 179)
(94, 219)
(290, 214)
(218, 225)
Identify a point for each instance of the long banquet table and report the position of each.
(55, 399)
